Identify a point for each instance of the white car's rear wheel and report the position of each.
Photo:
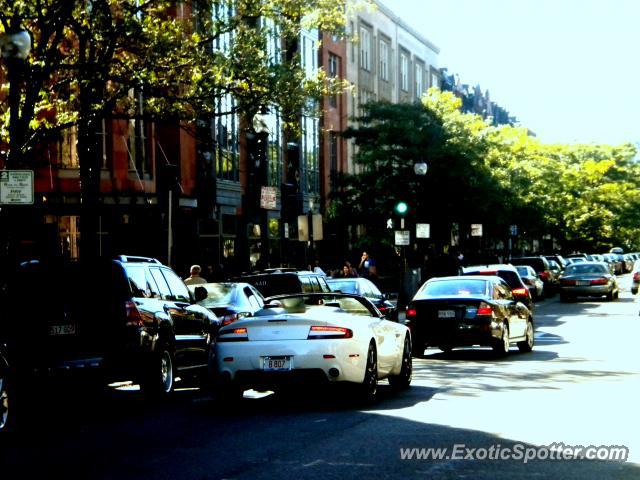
(369, 387)
(403, 379)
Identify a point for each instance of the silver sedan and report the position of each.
(588, 279)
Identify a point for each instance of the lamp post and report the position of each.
(16, 46)
(259, 157)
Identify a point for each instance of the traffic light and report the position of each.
(401, 208)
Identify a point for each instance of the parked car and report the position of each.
(313, 339)
(230, 301)
(635, 277)
(128, 318)
(286, 280)
(5, 413)
(588, 279)
(541, 265)
(449, 312)
(558, 258)
(509, 274)
(614, 263)
(366, 288)
(531, 280)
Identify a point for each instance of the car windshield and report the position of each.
(585, 268)
(323, 304)
(217, 294)
(523, 271)
(462, 287)
(344, 286)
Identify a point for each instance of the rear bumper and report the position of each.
(587, 291)
(460, 336)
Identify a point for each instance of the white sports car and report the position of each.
(313, 338)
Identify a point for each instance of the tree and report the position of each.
(133, 59)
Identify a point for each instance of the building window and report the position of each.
(404, 72)
(366, 96)
(310, 147)
(69, 148)
(353, 51)
(105, 141)
(434, 81)
(138, 141)
(384, 60)
(69, 236)
(419, 80)
(365, 49)
(274, 149)
(334, 72)
(226, 140)
(333, 159)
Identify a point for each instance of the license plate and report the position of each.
(276, 363)
(582, 283)
(62, 330)
(446, 314)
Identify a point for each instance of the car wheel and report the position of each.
(634, 291)
(403, 379)
(501, 347)
(229, 393)
(158, 377)
(527, 344)
(445, 348)
(4, 403)
(610, 296)
(369, 387)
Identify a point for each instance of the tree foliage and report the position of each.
(584, 196)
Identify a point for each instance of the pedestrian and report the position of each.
(367, 266)
(194, 277)
(348, 271)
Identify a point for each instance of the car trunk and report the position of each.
(441, 318)
(283, 327)
(67, 311)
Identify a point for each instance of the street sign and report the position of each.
(513, 230)
(423, 230)
(476, 229)
(16, 187)
(268, 198)
(403, 237)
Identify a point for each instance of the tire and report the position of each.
(6, 418)
(229, 394)
(403, 379)
(610, 296)
(527, 344)
(564, 298)
(369, 387)
(158, 376)
(445, 348)
(501, 347)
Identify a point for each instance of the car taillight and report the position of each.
(485, 309)
(487, 272)
(318, 332)
(233, 335)
(599, 281)
(636, 277)
(411, 313)
(134, 319)
(227, 319)
(519, 291)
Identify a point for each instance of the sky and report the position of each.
(569, 70)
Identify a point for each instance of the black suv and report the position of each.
(541, 265)
(280, 281)
(128, 318)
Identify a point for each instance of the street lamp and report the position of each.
(15, 45)
(259, 136)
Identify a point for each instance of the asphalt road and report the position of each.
(579, 386)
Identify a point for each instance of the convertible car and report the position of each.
(313, 339)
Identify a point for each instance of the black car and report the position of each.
(230, 301)
(5, 418)
(449, 312)
(284, 280)
(128, 318)
(509, 274)
(366, 288)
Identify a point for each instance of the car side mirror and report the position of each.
(273, 304)
(200, 293)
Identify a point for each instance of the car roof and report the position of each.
(496, 266)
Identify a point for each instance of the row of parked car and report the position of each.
(132, 318)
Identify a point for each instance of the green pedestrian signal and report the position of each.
(401, 208)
